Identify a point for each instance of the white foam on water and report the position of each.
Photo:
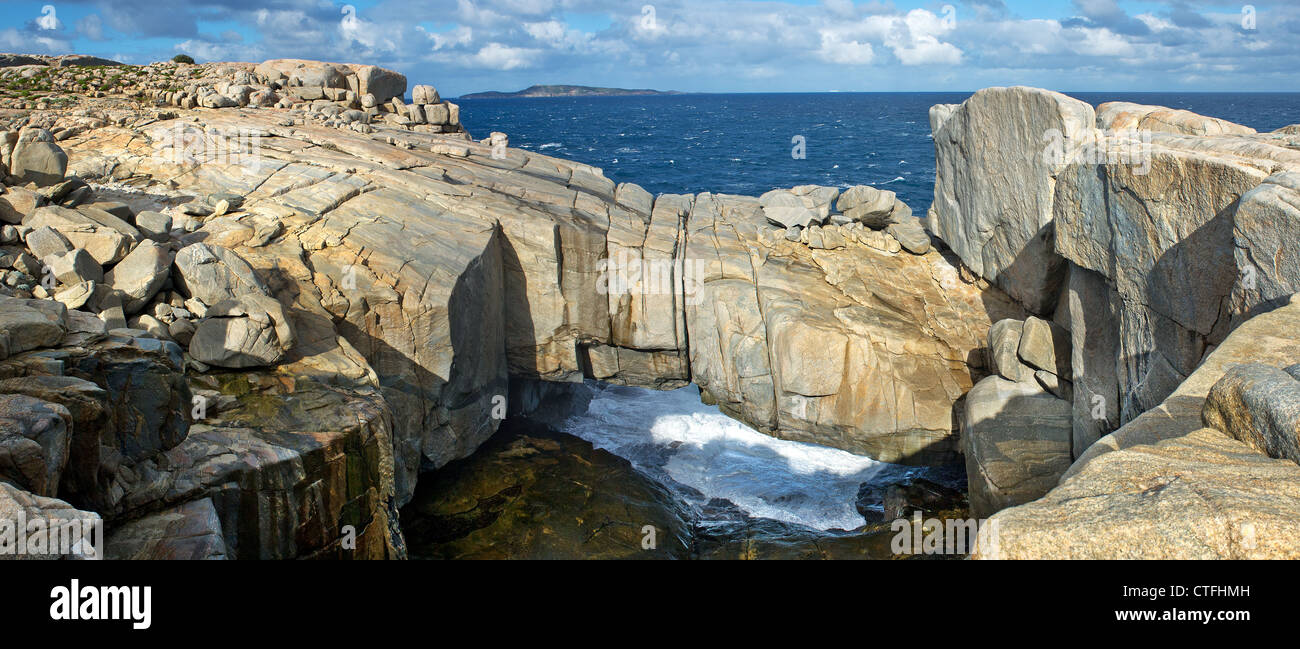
(673, 434)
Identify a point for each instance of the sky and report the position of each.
(463, 46)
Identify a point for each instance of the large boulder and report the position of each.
(249, 331)
(17, 202)
(215, 274)
(1264, 231)
(74, 267)
(1017, 443)
(1121, 115)
(187, 532)
(867, 205)
(291, 471)
(993, 203)
(45, 241)
(1165, 486)
(107, 238)
(787, 210)
(298, 72)
(87, 404)
(383, 84)
(423, 94)
(141, 274)
(911, 235)
(17, 504)
(1044, 345)
(39, 161)
(1004, 350)
(34, 437)
(147, 399)
(1146, 223)
(1260, 405)
(29, 324)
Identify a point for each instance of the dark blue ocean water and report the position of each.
(742, 143)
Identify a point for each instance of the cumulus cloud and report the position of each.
(496, 56)
(91, 27)
(715, 44)
(835, 49)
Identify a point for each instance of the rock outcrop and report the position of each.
(318, 312)
(1166, 486)
(248, 314)
(1170, 229)
(1260, 405)
(998, 156)
(1017, 428)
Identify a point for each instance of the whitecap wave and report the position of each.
(672, 435)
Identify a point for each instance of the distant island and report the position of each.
(567, 91)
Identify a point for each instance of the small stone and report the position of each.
(155, 225)
(1045, 346)
(45, 241)
(1004, 343)
(74, 267)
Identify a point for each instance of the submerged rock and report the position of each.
(533, 493)
(530, 493)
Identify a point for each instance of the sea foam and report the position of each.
(671, 434)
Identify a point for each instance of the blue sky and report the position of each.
(707, 45)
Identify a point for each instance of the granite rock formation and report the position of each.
(324, 311)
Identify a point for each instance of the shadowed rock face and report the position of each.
(1167, 487)
(1172, 224)
(1184, 235)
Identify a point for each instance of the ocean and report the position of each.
(743, 143)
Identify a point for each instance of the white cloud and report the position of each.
(496, 56)
(915, 39)
(457, 37)
(91, 27)
(835, 49)
(353, 28)
(710, 45)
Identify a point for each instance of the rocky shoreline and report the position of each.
(246, 306)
